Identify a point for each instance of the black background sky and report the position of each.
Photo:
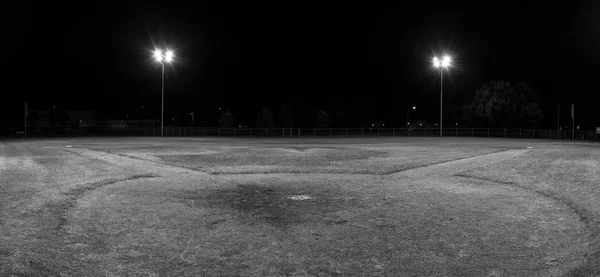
(98, 56)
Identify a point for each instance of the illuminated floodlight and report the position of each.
(164, 55)
(169, 56)
(158, 55)
(436, 62)
(446, 62)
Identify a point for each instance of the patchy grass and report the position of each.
(568, 176)
(125, 217)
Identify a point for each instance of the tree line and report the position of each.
(494, 104)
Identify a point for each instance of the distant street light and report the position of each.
(441, 64)
(163, 56)
(407, 110)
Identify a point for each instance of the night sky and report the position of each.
(376, 57)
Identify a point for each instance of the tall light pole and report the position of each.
(407, 110)
(441, 64)
(163, 56)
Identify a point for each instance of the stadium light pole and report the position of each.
(441, 64)
(163, 56)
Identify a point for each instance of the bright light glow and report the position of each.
(436, 62)
(414, 108)
(158, 55)
(164, 55)
(446, 61)
(169, 56)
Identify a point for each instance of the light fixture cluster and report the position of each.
(444, 62)
(166, 55)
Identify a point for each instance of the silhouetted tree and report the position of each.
(285, 116)
(501, 104)
(264, 118)
(227, 119)
(323, 120)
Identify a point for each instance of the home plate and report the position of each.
(299, 197)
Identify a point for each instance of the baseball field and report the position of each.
(393, 206)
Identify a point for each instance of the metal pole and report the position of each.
(406, 115)
(162, 104)
(441, 93)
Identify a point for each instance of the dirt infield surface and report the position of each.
(299, 207)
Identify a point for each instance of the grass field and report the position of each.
(299, 207)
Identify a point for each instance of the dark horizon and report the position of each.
(245, 58)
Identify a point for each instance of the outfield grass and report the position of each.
(377, 207)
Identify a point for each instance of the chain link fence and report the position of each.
(151, 128)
